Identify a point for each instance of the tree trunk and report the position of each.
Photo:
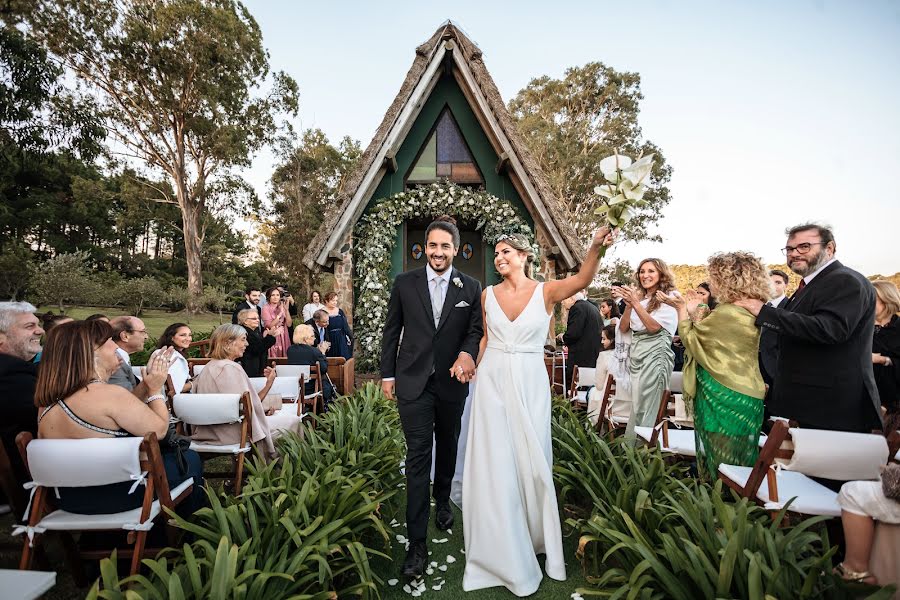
(190, 218)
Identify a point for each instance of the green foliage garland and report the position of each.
(376, 234)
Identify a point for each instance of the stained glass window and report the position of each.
(445, 156)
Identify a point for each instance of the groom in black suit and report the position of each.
(824, 377)
(436, 312)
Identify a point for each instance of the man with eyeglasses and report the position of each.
(129, 334)
(824, 377)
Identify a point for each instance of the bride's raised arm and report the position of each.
(560, 289)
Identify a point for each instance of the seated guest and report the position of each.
(863, 503)
(314, 304)
(721, 378)
(97, 317)
(179, 337)
(48, 322)
(339, 334)
(254, 358)
(304, 352)
(609, 310)
(222, 375)
(886, 351)
(607, 347)
(20, 342)
(76, 402)
(130, 334)
(706, 296)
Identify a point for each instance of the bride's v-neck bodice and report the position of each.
(527, 333)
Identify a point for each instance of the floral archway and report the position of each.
(375, 235)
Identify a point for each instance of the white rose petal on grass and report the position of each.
(451, 559)
(443, 567)
(437, 588)
(440, 541)
(432, 564)
(407, 589)
(392, 582)
(449, 532)
(429, 571)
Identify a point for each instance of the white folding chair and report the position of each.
(583, 379)
(197, 368)
(306, 373)
(287, 387)
(73, 463)
(218, 409)
(791, 456)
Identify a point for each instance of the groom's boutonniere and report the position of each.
(457, 282)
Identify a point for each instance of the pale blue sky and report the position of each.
(771, 113)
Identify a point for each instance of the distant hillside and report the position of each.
(688, 276)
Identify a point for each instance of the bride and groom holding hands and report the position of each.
(440, 324)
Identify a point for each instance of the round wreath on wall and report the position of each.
(375, 236)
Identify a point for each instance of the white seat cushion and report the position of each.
(681, 441)
(810, 498)
(645, 433)
(60, 520)
(218, 448)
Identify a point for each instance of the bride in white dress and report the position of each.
(510, 512)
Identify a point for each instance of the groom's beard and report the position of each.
(448, 264)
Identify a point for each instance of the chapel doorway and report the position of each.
(469, 259)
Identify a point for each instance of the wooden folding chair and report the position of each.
(791, 457)
(583, 379)
(195, 365)
(219, 409)
(93, 462)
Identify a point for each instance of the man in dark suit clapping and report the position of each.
(823, 377)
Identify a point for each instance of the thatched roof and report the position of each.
(448, 44)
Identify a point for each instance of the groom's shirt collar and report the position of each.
(432, 274)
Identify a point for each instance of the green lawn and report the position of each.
(452, 577)
(157, 320)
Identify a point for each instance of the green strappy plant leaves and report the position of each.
(306, 526)
(649, 531)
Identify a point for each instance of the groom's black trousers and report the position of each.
(424, 417)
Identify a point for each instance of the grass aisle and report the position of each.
(452, 577)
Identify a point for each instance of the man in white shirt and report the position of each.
(130, 334)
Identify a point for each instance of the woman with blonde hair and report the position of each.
(721, 378)
(886, 350)
(222, 375)
(652, 323)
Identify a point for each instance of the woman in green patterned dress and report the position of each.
(722, 382)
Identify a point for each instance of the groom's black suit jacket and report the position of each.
(426, 349)
(824, 377)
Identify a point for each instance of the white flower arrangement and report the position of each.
(624, 192)
(375, 235)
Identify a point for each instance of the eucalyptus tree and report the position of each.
(185, 90)
(570, 124)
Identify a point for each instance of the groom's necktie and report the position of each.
(437, 299)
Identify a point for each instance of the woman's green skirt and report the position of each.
(727, 425)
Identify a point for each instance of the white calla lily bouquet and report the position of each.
(624, 191)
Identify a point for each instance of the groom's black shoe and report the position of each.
(414, 565)
(444, 516)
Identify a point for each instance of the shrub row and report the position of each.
(305, 526)
(648, 531)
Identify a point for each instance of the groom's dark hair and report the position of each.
(445, 223)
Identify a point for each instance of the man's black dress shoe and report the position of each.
(414, 565)
(444, 516)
